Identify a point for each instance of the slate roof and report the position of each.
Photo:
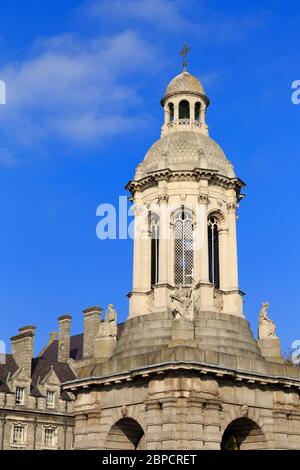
(10, 367)
(76, 349)
(42, 364)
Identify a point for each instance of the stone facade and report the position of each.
(34, 412)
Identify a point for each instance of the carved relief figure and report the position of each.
(266, 327)
(182, 303)
(108, 327)
(245, 411)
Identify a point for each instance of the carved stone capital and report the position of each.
(163, 198)
(203, 198)
(232, 207)
(139, 209)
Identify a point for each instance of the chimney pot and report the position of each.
(92, 318)
(64, 338)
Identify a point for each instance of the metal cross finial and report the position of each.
(184, 52)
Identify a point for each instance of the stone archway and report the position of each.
(125, 434)
(243, 434)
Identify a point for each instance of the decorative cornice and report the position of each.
(178, 93)
(212, 176)
(202, 368)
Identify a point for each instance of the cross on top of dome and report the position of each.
(184, 51)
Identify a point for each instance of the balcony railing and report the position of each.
(184, 122)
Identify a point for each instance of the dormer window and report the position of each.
(50, 399)
(20, 395)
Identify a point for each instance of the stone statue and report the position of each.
(182, 303)
(266, 327)
(108, 327)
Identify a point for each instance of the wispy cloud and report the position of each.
(164, 14)
(79, 91)
(76, 90)
(185, 18)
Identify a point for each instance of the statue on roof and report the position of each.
(108, 326)
(266, 327)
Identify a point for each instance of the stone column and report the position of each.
(202, 114)
(223, 258)
(163, 240)
(232, 246)
(212, 422)
(166, 115)
(294, 430)
(153, 420)
(161, 292)
(142, 249)
(176, 112)
(80, 431)
(195, 422)
(281, 429)
(192, 114)
(169, 439)
(203, 238)
(93, 430)
(141, 262)
(203, 288)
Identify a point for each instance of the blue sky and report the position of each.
(84, 81)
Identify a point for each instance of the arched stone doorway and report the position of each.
(243, 434)
(125, 434)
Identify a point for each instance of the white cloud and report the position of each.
(79, 91)
(187, 18)
(164, 14)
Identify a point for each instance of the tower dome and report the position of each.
(185, 150)
(185, 143)
(184, 83)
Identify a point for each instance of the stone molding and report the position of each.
(186, 175)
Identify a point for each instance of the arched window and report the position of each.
(154, 248)
(197, 111)
(213, 252)
(183, 247)
(184, 109)
(171, 112)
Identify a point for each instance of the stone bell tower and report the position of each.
(185, 194)
(184, 370)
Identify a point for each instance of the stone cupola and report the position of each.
(184, 105)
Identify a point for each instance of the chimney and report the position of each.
(22, 348)
(91, 327)
(64, 322)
